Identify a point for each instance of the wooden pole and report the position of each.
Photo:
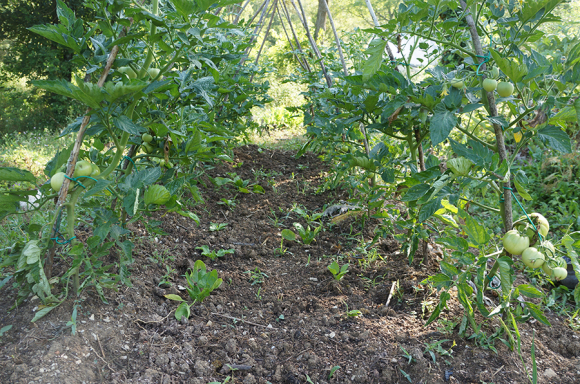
(274, 7)
(287, 14)
(499, 137)
(289, 40)
(241, 11)
(312, 42)
(335, 37)
(376, 23)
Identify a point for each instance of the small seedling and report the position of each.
(230, 203)
(165, 279)
(307, 234)
(337, 271)
(205, 251)
(5, 329)
(333, 370)
(201, 284)
(286, 235)
(354, 313)
(256, 276)
(217, 226)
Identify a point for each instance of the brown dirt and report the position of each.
(291, 327)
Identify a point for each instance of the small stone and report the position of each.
(550, 374)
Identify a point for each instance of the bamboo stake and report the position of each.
(376, 23)
(287, 14)
(289, 40)
(313, 43)
(335, 37)
(70, 168)
(501, 149)
(274, 7)
(241, 11)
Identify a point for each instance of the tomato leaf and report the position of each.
(442, 302)
(555, 138)
(474, 230)
(427, 210)
(416, 192)
(537, 313)
(373, 63)
(15, 174)
(506, 274)
(442, 123)
(530, 291)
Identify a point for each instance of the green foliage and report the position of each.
(190, 93)
(337, 271)
(205, 251)
(201, 284)
(306, 234)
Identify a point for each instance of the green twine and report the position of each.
(490, 279)
(62, 242)
(130, 159)
(485, 58)
(524, 211)
(75, 179)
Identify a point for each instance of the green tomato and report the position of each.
(489, 85)
(83, 168)
(162, 163)
(148, 148)
(56, 181)
(505, 89)
(515, 243)
(457, 83)
(560, 273)
(533, 258)
(128, 71)
(96, 170)
(494, 73)
(153, 72)
(147, 138)
(539, 221)
(547, 270)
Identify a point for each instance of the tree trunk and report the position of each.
(321, 17)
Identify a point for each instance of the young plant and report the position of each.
(256, 276)
(337, 271)
(205, 251)
(213, 227)
(200, 283)
(306, 234)
(288, 235)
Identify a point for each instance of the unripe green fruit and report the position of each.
(147, 138)
(83, 168)
(56, 181)
(489, 85)
(494, 73)
(505, 89)
(457, 83)
(128, 71)
(153, 72)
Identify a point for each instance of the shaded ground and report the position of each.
(279, 317)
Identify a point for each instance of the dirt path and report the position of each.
(278, 317)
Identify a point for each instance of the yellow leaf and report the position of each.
(518, 136)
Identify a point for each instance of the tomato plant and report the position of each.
(152, 75)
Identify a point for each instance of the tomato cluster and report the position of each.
(522, 241)
(82, 168)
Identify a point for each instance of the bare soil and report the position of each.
(291, 327)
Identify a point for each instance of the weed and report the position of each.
(337, 271)
(213, 227)
(437, 347)
(230, 203)
(166, 279)
(306, 234)
(205, 251)
(201, 284)
(256, 276)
